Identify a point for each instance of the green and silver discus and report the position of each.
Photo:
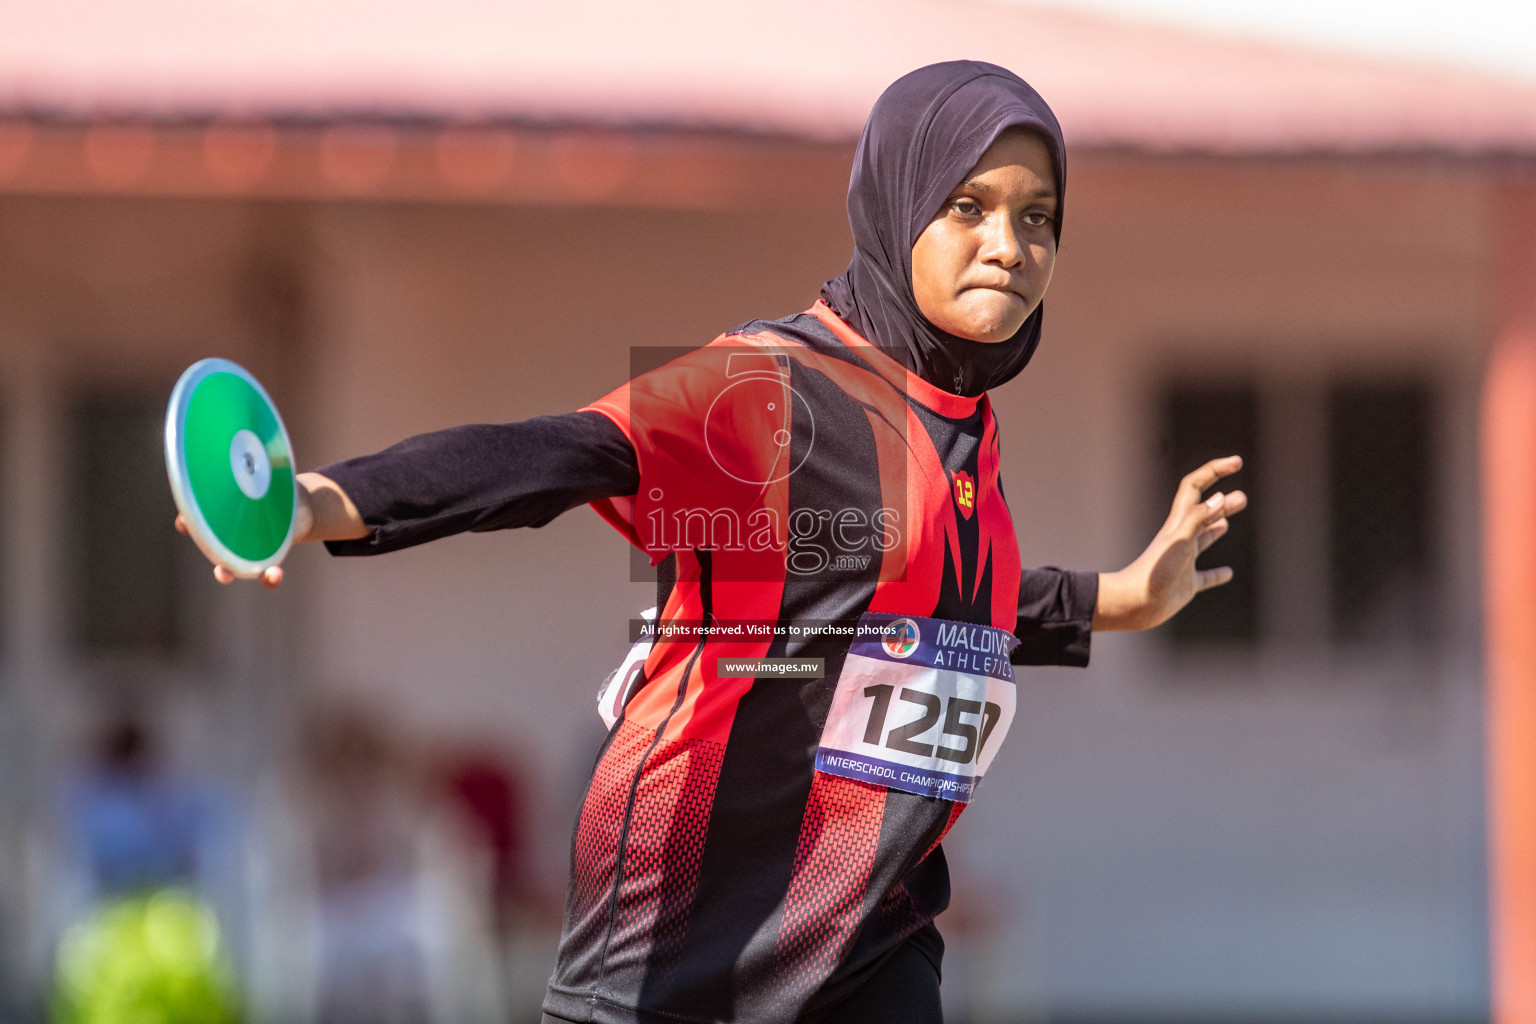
(231, 467)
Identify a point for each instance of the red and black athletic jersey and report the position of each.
(789, 477)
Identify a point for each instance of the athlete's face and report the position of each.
(982, 264)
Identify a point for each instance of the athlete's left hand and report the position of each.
(1152, 589)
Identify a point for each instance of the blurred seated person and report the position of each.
(137, 825)
(146, 842)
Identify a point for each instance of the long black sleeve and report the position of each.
(1055, 625)
(483, 477)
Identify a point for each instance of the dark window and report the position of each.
(1201, 422)
(122, 550)
(1380, 474)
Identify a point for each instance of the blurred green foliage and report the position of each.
(145, 959)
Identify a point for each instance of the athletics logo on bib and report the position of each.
(902, 638)
(921, 705)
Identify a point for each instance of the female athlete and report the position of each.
(840, 596)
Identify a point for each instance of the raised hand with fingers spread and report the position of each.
(1163, 578)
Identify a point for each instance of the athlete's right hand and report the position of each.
(272, 576)
(324, 512)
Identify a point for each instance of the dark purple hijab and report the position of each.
(924, 134)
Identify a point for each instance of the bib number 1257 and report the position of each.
(921, 705)
(970, 722)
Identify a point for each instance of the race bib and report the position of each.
(922, 705)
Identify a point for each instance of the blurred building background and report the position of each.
(403, 217)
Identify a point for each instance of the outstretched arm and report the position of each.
(477, 478)
(482, 477)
